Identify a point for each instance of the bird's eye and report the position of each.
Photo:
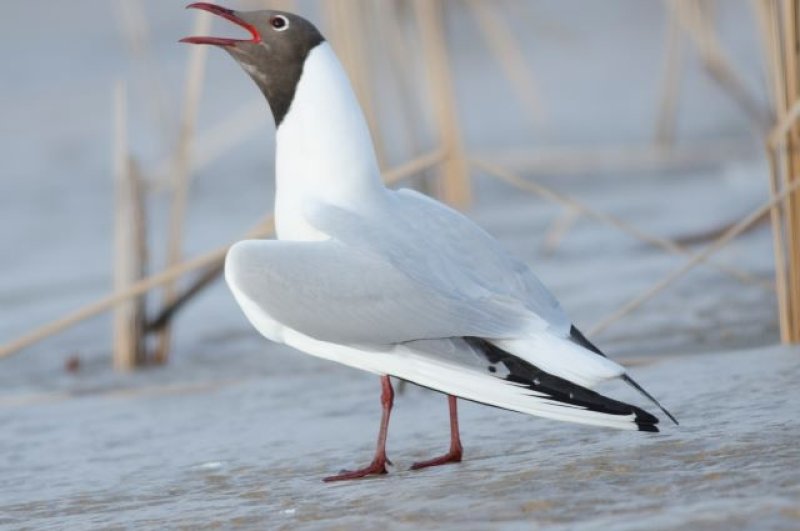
(279, 22)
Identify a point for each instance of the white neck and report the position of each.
(324, 149)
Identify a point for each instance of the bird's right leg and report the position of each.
(456, 450)
(378, 465)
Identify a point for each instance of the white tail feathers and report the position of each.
(561, 357)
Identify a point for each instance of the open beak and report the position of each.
(227, 14)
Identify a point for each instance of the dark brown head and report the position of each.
(274, 55)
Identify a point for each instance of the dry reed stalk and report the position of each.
(361, 19)
(558, 229)
(709, 235)
(214, 142)
(139, 222)
(182, 164)
(768, 23)
(262, 229)
(608, 219)
(778, 243)
(791, 64)
(398, 48)
(455, 185)
(766, 20)
(129, 254)
(785, 124)
(136, 32)
(568, 160)
(698, 24)
(778, 24)
(507, 51)
(670, 83)
(236, 127)
(203, 280)
(701, 257)
(785, 160)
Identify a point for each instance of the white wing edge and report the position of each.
(458, 380)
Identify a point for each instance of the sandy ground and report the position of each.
(211, 452)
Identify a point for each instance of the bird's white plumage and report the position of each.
(388, 281)
(324, 151)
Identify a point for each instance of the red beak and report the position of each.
(227, 14)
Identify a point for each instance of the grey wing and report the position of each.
(334, 292)
(440, 248)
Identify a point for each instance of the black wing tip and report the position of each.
(649, 428)
(645, 421)
(630, 381)
(563, 391)
(577, 336)
(588, 399)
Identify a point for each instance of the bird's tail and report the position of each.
(560, 390)
(460, 367)
(578, 337)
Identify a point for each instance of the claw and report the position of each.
(453, 456)
(376, 468)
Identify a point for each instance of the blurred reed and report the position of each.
(454, 186)
(670, 82)
(696, 20)
(778, 22)
(507, 51)
(181, 171)
(137, 36)
(130, 248)
(577, 207)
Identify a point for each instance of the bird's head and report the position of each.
(274, 54)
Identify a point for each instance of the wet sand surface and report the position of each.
(215, 453)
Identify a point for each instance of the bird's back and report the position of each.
(441, 248)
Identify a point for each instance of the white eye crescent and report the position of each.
(279, 23)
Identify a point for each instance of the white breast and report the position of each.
(324, 150)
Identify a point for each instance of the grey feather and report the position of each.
(381, 280)
(444, 250)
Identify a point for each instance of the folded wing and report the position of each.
(333, 292)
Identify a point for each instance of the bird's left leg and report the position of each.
(456, 450)
(378, 464)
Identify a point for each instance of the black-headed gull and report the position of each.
(394, 282)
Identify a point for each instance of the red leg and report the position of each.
(456, 450)
(378, 465)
